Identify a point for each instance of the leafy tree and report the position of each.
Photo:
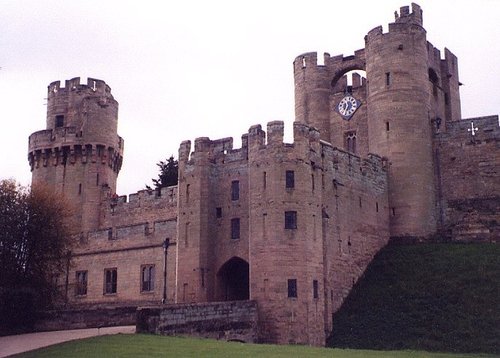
(168, 175)
(33, 239)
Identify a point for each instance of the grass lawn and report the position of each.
(141, 345)
(432, 297)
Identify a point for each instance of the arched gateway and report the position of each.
(233, 280)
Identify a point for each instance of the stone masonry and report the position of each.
(378, 154)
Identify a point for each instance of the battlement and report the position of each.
(166, 196)
(371, 167)
(309, 60)
(405, 16)
(402, 20)
(64, 146)
(93, 86)
(48, 138)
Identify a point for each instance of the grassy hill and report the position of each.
(434, 297)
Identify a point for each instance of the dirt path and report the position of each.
(26, 342)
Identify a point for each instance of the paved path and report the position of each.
(26, 342)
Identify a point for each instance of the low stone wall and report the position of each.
(230, 321)
(77, 318)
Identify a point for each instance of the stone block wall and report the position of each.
(230, 321)
(468, 170)
(86, 317)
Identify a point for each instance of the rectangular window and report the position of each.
(147, 278)
(264, 180)
(235, 190)
(218, 212)
(59, 121)
(387, 126)
(110, 281)
(290, 219)
(292, 287)
(290, 179)
(81, 283)
(315, 289)
(235, 228)
(387, 78)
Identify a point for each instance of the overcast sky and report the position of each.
(186, 69)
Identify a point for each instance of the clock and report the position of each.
(347, 106)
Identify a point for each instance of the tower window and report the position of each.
(290, 219)
(59, 121)
(290, 179)
(387, 78)
(315, 289)
(235, 190)
(387, 126)
(350, 141)
(110, 281)
(292, 288)
(218, 212)
(235, 228)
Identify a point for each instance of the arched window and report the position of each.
(350, 141)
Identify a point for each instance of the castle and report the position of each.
(291, 226)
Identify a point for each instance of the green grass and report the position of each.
(141, 345)
(433, 297)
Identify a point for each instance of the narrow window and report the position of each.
(218, 212)
(376, 206)
(187, 193)
(393, 211)
(387, 126)
(350, 141)
(235, 228)
(264, 180)
(80, 189)
(235, 190)
(446, 99)
(110, 281)
(110, 234)
(97, 180)
(292, 288)
(315, 289)
(312, 182)
(59, 121)
(387, 78)
(147, 278)
(360, 204)
(290, 179)
(81, 283)
(290, 219)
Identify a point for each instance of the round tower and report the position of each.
(312, 93)
(80, 153)
(398, 120)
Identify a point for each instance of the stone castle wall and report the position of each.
(469, 176)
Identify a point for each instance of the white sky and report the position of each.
(185, 69)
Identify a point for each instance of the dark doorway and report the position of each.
(232, 280)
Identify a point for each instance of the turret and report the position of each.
(79, 153)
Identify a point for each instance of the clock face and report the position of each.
(347, 106)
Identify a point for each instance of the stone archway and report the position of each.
(233, 280)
